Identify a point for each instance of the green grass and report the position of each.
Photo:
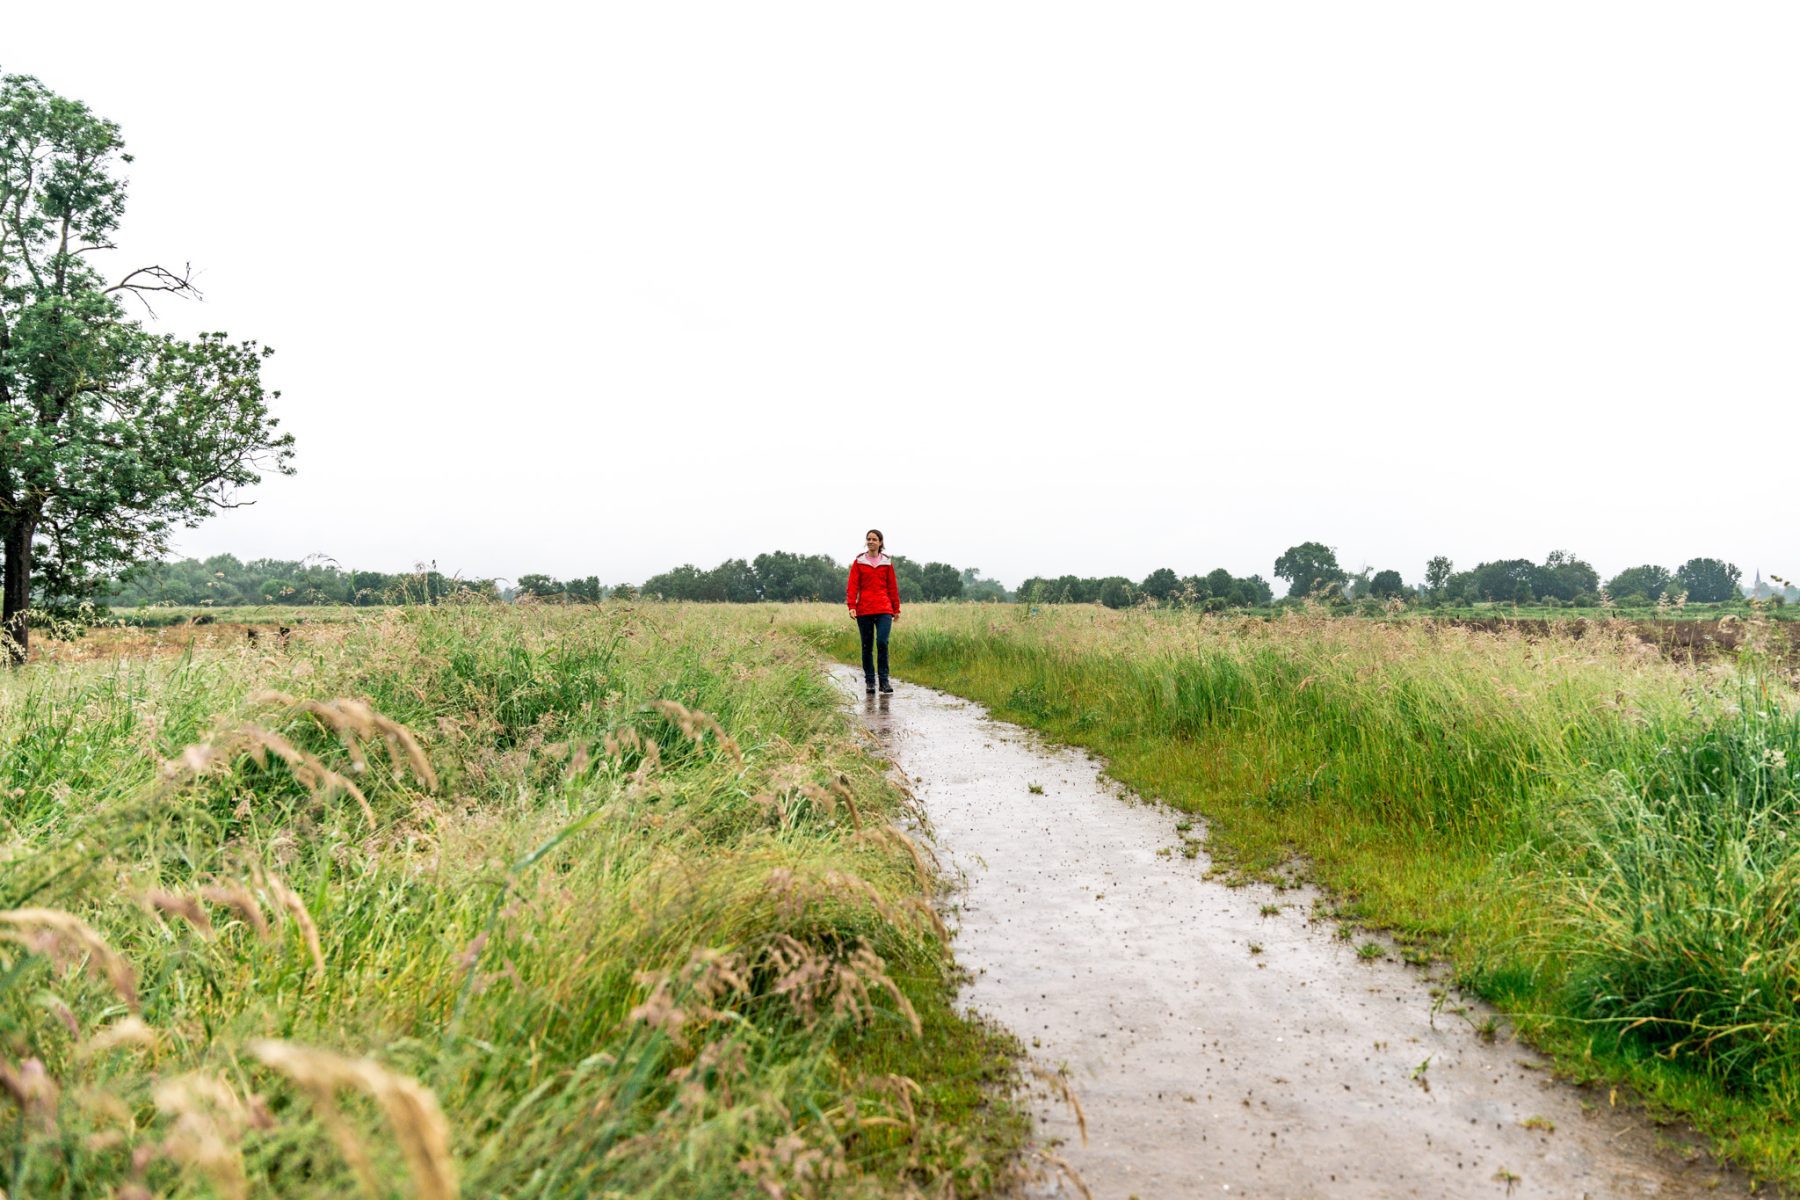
(623, 948)
(1601, 841)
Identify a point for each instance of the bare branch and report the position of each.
(158, 279)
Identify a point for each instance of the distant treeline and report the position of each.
(1309, 569)
(223, 579)
(1215, 591)
(785, 576)
(1562, 578)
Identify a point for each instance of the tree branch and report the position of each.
(157, 279)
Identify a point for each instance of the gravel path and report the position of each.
(1218, 1047)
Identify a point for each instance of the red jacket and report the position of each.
(874, 588)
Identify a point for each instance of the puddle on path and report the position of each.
(1204, 1068)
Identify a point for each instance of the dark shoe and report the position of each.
(885, 688)
(869, 686)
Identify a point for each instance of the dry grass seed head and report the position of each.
(128, 1031)
(215, 757)
(692, 722)
(411, 1109)
(289, 900)
(177, 905)
(66, 940)
(355, 722)
(209, 1124)
(240, 900)
(32, 1089)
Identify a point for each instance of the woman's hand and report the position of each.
(853, 614)
(896, 618)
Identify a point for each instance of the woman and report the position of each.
(874, 598)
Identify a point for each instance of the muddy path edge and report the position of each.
(1088, 932)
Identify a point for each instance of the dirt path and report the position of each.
(1218, 1049)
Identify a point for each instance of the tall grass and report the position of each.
(474, 901)
(1605, 842)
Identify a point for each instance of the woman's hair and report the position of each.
(878, 538)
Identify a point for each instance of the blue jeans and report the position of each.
(874, 630)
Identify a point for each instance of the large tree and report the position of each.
(1437, 574)
(1161, 584)
(110, 436)
(940, 581)
(1308, 567)
(1387, 584)
(1565, 577)
(1647, 582)
(1708, 580)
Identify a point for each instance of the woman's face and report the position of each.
(872, 542)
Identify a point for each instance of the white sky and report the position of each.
(1034, 287)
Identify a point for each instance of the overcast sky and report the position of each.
(1036, 287)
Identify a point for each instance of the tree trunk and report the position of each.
(15, 635)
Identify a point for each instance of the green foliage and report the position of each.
(1437, 574)
(224, 580)
(1687, 910)
(1561, 577)
(1647, 583)
(1309, 567)
(1116, 591)
(1161, 584)
(1214, 592)
(781, 576)
(1708, 580)
(977, 588)
(1387, 584)
(110, 436)
(940, 581)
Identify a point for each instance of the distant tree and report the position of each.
(1116, 591)
(1708, 580)
(1161, 584)
(1648, 582)
(1218, 582)
(910, 576)
(686, 582)
(777, 575)
(1072, 589)
(1356, 584)
(587, 591)
(1507, 581)
(368, 587)
(1308, 567)
(977, 588)
(734, 581)
(539, 585)
(1437, 575)
(1255, 589)
(1565, 577)
(110, 436)
(940, 581)
(1387, 584)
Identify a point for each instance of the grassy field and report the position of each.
(488, 901)
(1605, 842)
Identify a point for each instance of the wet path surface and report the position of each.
(1219, 1047)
